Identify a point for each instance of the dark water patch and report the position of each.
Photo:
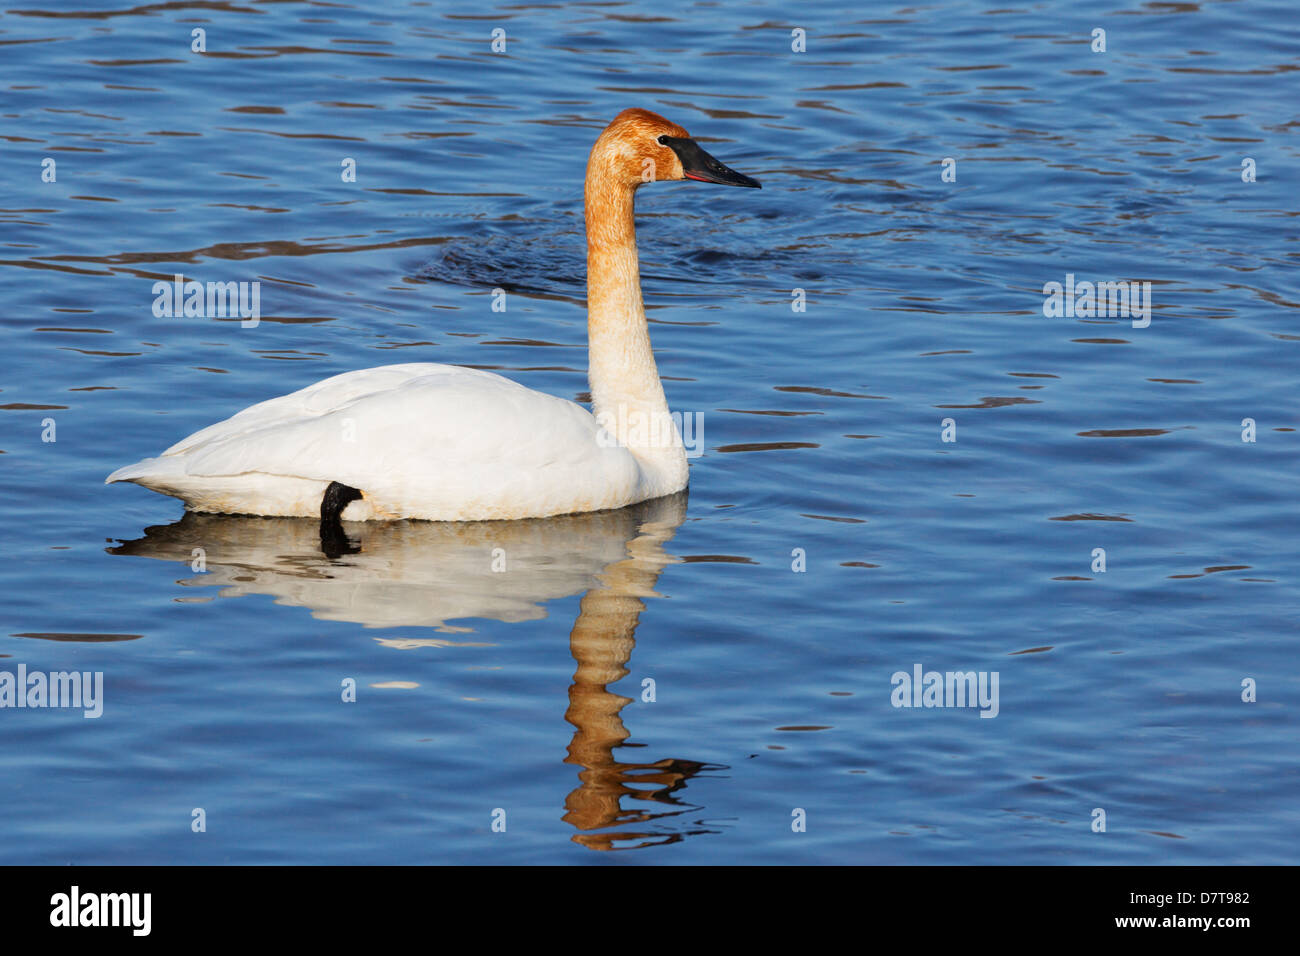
(804, 727)
(766, 446)
(996, 401)
(1123, 432)
(79, 638)
(756, 411)
(552, 264)
(1090, 517)
(828, 392)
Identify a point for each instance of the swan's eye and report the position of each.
(660, 140)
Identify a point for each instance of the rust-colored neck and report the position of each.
(626, 394)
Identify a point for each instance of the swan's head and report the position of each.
(641, 147)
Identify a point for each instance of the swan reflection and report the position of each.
(426, 574)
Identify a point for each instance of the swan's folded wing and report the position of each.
(325, 396)
(477, 442)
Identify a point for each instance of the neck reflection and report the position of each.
(602, 641)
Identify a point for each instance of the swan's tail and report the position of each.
(151, 472)
(247, 493)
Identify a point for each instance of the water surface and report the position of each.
(831, 537)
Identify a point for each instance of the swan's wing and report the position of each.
(325, 396)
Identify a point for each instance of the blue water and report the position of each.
(831, 537)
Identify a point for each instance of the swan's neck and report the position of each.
(626, 394)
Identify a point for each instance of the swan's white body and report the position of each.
(438, 442)
(446, 443)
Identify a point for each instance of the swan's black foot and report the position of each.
(333, 540)
(337, 497)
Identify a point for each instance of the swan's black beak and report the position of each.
(699, 165)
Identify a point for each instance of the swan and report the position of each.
(447, 443)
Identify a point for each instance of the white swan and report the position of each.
(446, 443)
